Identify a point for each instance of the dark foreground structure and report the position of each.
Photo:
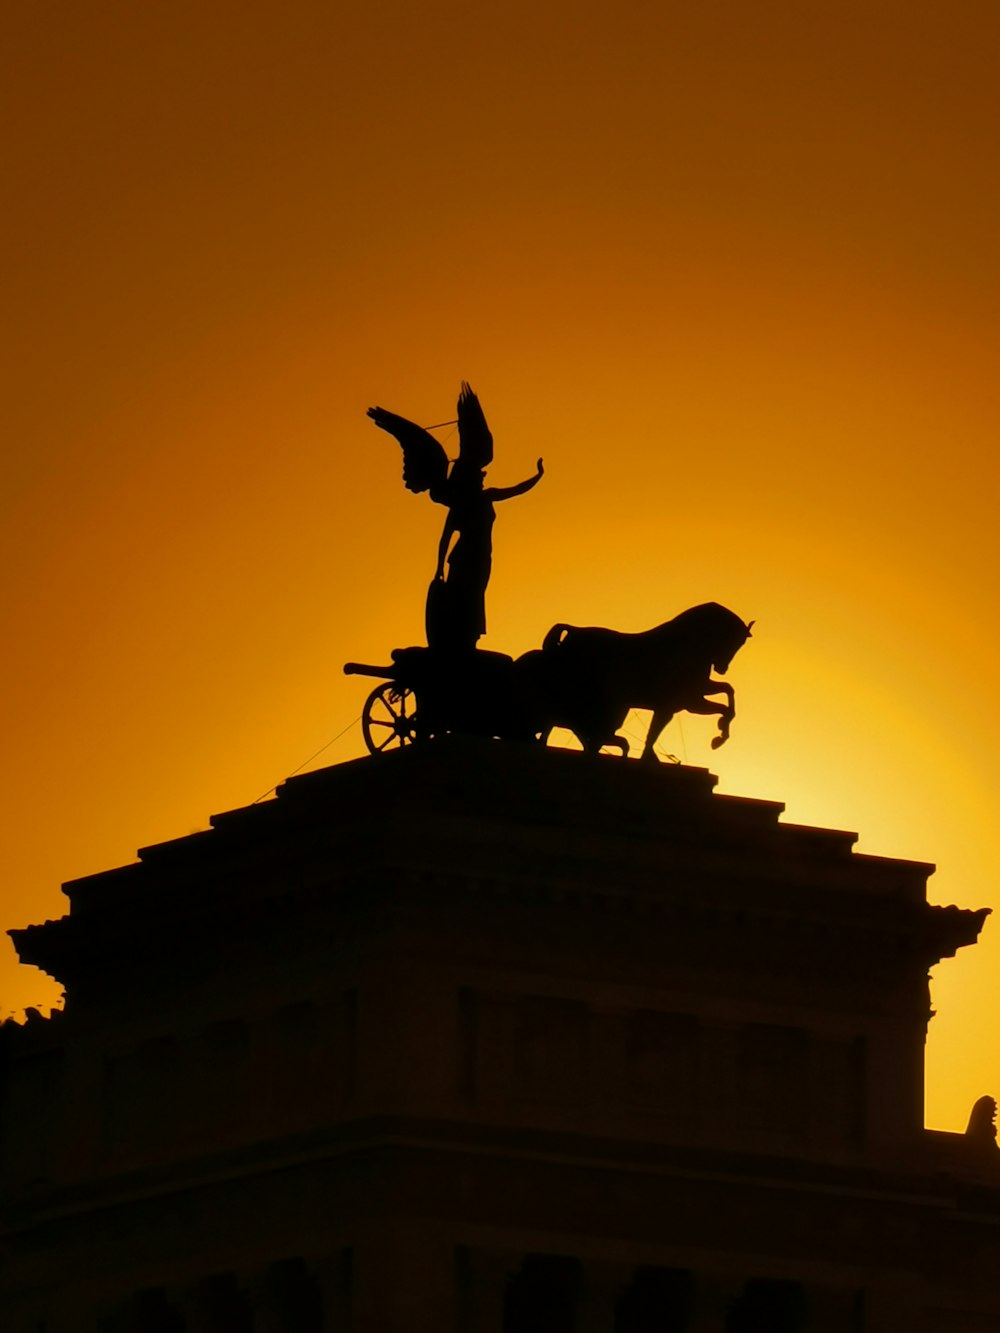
(485, 1038)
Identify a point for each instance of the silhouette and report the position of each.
(492, 1037)
(982, 1128)
(430, 692)
(583, 679)
(456, 599)
(589, 679)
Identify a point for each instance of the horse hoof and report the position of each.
(718, 740)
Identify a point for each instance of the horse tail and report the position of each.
(555, 637)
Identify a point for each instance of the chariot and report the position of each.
(585, 680)
(429, 692)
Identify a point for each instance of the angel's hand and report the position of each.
(541, 468)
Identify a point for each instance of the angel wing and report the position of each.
(476, 442)
(425, 463)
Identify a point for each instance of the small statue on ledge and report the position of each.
(982, 1128)
(456, 602)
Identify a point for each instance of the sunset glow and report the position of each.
(731, 270)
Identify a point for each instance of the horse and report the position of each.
(587, 679)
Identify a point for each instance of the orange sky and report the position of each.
(731, 269)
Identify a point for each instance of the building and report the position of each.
(486, 1038)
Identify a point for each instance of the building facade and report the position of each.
(486, 1038)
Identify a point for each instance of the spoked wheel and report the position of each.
(388, 717)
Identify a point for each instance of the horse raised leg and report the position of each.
(698, 703)
(726, 711)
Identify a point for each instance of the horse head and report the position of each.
(733, 634)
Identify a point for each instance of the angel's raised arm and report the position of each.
(509, 492)
(425, 463)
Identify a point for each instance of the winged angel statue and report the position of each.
(456, 599)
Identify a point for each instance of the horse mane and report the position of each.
(709, 615)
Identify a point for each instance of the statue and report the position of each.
(585, 680)
(981, 1132)
(456, 603)
(592, 678)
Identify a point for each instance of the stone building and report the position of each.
(483, 1038)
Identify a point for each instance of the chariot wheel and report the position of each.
(388, 718)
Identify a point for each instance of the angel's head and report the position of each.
(467, 475)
